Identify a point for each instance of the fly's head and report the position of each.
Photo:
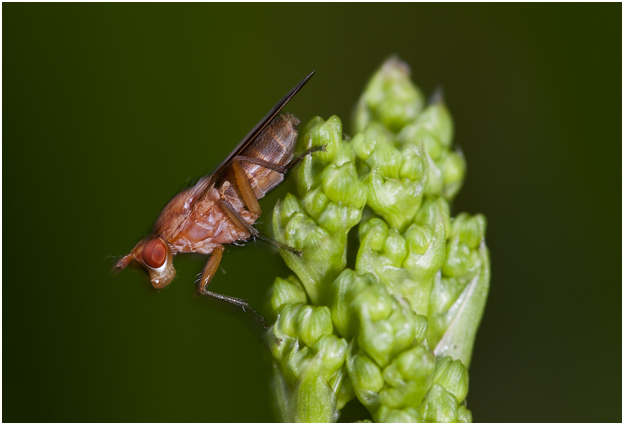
(155, 255)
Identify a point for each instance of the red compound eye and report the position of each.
(155, 253)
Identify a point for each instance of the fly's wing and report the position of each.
(179, 208)
(252, 135)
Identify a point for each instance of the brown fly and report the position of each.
(222, 207)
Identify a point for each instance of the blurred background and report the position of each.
(110, 109)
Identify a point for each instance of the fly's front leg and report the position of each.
(211, 268)
(209, 271)
(240, 222)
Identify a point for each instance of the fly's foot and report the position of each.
(244, 305)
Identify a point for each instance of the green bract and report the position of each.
(396, 331)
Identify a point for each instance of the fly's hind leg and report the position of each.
(209, 271)
(240, 222)
(302, 155)
(276, 167)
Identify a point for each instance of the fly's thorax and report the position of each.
(209, 226)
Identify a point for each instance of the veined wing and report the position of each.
(252, 135)
(185, 201)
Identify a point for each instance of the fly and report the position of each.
(222, 207)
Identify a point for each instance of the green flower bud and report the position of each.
(390, 98)
(284, 331)
(416, 364)
(437, 119)
(395, 398)
(459, 259)
(345, 288)
(418, 135)
(366, 377)
(395, 183)
(433, 130)
(375, 231)
(289, 207)
(420, 323)
(446, 291)
(453, 376)
(313, 400)
(367, 374)
(286, 291)
(318, 133)
(407, 264)
(371, 302)
(464, 415)
(403, 326)
(432, 212)
(341, 185)
(295, 362)
(418, 238)
(312, 323)
(387, 325)
(315, 202)
(439, 406)
(338, 203)
(286, 323)
(389, 415)
(336, 217)
(423, 267)
(307, 375)
(453, 168)
(372, 147)
(413, 166)
(324, 253)
(331, 352)
(409, 377)
(469, 230)
(344, 153)
(376, 338)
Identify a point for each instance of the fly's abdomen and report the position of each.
(275, 144)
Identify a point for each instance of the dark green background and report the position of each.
(109, 109)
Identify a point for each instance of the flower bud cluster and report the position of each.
(396, 331)
(309, 359)
(331, 202)
(390, 98)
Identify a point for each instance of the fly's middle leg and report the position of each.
(209, 271)
(240, 222)
(249, 197)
